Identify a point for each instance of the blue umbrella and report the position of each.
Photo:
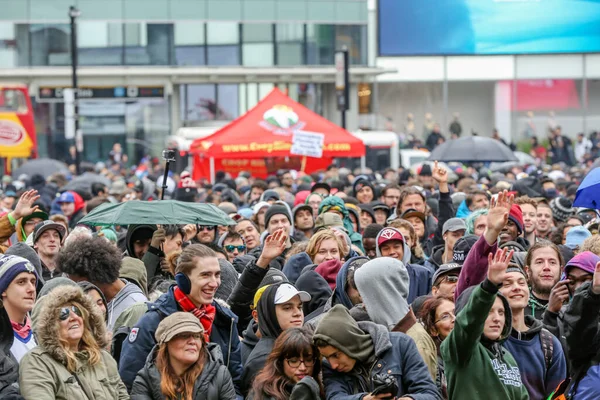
(588, 192)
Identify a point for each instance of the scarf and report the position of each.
(206, 314)
(23, 330)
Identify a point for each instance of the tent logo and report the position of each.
(281, 120)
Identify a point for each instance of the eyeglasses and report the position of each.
(206, 228)
(295, 362)
(446, 317)
(66, 311)
(230, 248)
(450, 278)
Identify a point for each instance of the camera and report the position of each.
(168, 155)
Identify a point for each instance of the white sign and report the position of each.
(307, 144)
(340, 67)
(69, 97)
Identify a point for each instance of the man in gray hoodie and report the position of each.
(391, 243)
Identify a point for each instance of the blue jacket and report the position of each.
(141, 339)
(395, 352)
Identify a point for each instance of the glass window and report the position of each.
(148, 44)
(99, 43)
(320, 44)
(8, 45)
(189, 43)
(223, 43)
(228, 98)
(290, 44)
(50, 44)
(257, 33)
(257, 47)
(354, 37)
(199, 102)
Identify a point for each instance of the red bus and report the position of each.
(17, 129)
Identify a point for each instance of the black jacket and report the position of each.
(214, 383)
(446, 212)
(9, 367)
(249, 340)
(256, 361)
(243, 293)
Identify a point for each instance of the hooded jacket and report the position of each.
(47, 375)
(394, 354)
(317, 287)
(475, 366)
(6, 231)
(79, 211)
(294, 266)
(249, 340)
(131, 229)
(337, 203)
(141, 339)
(420, 277)
(87, 286)
(9, 368)
(214, 383)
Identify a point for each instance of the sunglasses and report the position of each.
(66, 311)
(206, 228)
(229, 248)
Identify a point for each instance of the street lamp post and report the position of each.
(74, 13)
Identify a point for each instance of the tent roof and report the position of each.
(267, 130)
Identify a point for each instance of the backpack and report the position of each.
(547, 346)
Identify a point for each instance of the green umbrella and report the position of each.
(162, 212)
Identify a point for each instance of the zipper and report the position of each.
(230, 339)
(81, 386)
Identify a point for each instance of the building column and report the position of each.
(175, 107)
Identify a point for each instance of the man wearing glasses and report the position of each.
(206, 234)
(233, 244)
(445, 280)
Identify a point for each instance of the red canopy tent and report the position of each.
(260, 141)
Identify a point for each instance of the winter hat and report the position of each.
(273, 276)
(53, 284)
(175, 324)
(368, 209)
(426, 170)
(23, 250)
(134, 271)
(274, 210)
(269, 195)
(329, 270)
(360, 182)
(338, 329)
(383, 284)
(462, 248)
(10, 267)
(562, 208)
(516, 216)
(586, 261)
(328, 220)
(229, 278)
(576, 236)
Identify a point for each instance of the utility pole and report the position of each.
(342, 84)
(74, 13)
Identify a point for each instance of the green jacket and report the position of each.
(475, 367)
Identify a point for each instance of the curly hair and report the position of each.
(93, 259)
(591, 244)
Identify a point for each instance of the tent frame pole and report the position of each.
(212, 170)
(363, 164)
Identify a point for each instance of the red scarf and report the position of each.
(206, 314)
(23, 330)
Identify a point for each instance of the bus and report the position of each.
(17, 129)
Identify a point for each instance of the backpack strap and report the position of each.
(547, 346)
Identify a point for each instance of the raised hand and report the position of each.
(439, 174)
(499, 210)
(274, 246)
(158, 238)
(25, 207)
(596, 280)
(497, 265)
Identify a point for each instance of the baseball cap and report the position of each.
(43, 226)
(66, 197)
(286, 291)
(328, 220)
(411, 212)
(445, 269)
(258, 206)
(462, 247)
(118, 187)
(320, 185)
(453, 225)
(175, 324)
(388, 234)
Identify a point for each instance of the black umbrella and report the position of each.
(42, 166)
(84, 182)
(473, 149)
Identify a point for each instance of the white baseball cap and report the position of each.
(285, 292)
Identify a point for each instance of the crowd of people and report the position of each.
(387, 285)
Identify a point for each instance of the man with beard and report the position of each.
(529, 208)
(544, 220)
(543, 265)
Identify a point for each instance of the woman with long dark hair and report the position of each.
(437, 316)
(293, 366)
(182, 365)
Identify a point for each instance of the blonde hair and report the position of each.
(86, 344)
(591, 244)
(315, 242)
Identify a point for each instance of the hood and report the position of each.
(379, 334)
(463, 211)
(23, 250)
(407, 252)
(134, 271)
(131, 230)
(317, 287)
(79, 202)
(463, 299)
(46, 329)
(335, 202)
(293, 267)
(436, 255)
(249, 337)
(7, 336)
(339, 294)
(87, 286)
(534, 327)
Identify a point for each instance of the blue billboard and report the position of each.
(475, 27)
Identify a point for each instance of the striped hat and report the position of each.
(10, 267)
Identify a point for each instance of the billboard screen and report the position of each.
(487, 27)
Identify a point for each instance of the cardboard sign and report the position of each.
(307, 144)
